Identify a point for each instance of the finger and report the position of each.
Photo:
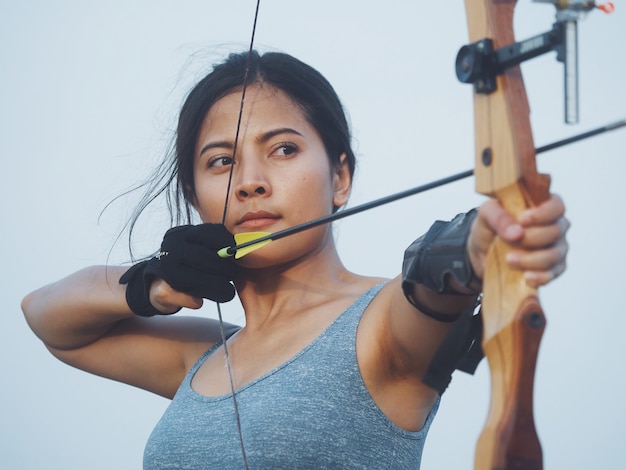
(546, 213)
(215, 288)
(185, 300)
(538, 260)
(545, 236)
(167, 299)
(207, 262)
(541, 278)
(495, 218)
(214, 236)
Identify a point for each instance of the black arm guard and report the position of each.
(436, 257)
(440, 253)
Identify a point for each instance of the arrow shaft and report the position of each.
(411, 192)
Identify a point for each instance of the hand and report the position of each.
(186, 269)
(537, 238)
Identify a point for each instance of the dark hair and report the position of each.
(303, 84)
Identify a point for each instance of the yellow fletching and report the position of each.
(249, 237)
(246, 237)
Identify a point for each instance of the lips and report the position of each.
(257, 219)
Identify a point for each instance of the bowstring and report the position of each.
(228, 189)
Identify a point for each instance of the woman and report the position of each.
(329, 368)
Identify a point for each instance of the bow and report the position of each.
(513, 320)
(505, 168)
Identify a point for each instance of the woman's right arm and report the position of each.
(84, 320)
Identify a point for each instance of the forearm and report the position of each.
(78, 309)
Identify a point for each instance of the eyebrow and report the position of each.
(273, 133)
(261, 139)
(216, 144)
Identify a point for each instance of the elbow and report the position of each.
(29, 310)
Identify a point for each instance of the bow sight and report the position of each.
(479, 63)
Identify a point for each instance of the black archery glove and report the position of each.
(189, 263)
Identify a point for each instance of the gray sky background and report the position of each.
(89, 93)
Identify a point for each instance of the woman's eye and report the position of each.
(285, 150)
(220, 162)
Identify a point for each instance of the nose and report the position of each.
(251, 182)
(252, 189)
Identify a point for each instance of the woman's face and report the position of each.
(282, 175)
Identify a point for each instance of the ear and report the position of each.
(342, 182)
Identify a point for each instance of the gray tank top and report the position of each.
(312, 412)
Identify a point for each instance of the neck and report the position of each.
(292, 287)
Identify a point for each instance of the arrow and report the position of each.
(250, 241)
